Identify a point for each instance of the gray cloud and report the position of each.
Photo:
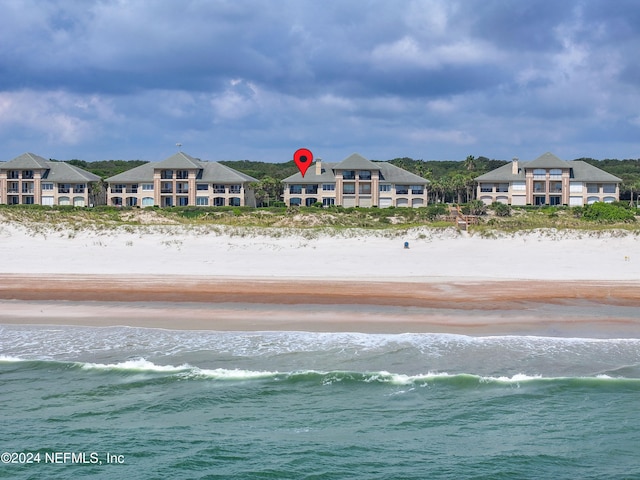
(429, 79)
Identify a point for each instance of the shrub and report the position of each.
(477, 207)
(607, 213)
(501, 209)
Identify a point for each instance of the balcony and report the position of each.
(166, 190)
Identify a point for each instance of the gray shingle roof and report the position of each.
(580, 171)
(392, 174)
(179, 161)
(503, 174)
(356, 161)
(61, 172)
(140, 174)
(548, 160)
(327, 175)
(583, 171)
(211, 172)
(26, 161)
(389, 173)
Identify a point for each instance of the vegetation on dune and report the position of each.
(493, 218)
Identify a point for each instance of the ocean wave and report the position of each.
(189, 372)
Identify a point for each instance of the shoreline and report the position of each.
(595, 309)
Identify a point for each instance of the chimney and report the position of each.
(318, 166)
(514, 166)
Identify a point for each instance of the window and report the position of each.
(364, 174)
(327, 202)
(47, 186)
(147, 186)
(202, 201)
(385, 188)
(539, 200)
(402, 189)
(28, 200)
(217, 188)
(235, 189)
(183, 201)
(486, 187)
(133, 188)
(147, 202)
(14, 174)
(609, 188)
(218, 202)
(166, 174)
(592, 188)
(202, 187)
(519, 186)
(555, 200)
(539, 187)
(27, 174)
(166, 187)
(27, 187)
(364, 188)
(310, 201)
(539, 173)
(555, 187)
(349, 174)
(64, 188)
(117, 188)
(349, 188)
(555, 173)
(502, 187)
(234, 202)
(328, 187)
(182, 174)
(182, 187)
(295, 201)
(295, 189)
(79, 187)
(417, 189)
(312, 189)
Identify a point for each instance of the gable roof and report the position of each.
(355, 161)
(61, 172)
(579, 170)
(207, 171)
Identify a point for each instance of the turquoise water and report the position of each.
(144, 403)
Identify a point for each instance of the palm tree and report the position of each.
(470, 163)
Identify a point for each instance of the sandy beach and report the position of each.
(539, 283)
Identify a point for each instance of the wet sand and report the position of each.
(605, 309)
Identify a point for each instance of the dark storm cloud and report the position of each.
(428, 79)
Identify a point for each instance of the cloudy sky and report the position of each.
(258, 79)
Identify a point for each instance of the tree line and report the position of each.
(450, 181)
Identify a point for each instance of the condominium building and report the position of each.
(548, 180)
(32, 180)
(356, 182)
(181, 180)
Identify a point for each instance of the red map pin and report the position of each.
(303, 158)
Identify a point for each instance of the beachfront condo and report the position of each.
(32, 180)
(181, 180)
(548, 180)
(356, 182)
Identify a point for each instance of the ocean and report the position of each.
(136, 403)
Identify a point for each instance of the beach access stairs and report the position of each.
(461, 220)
